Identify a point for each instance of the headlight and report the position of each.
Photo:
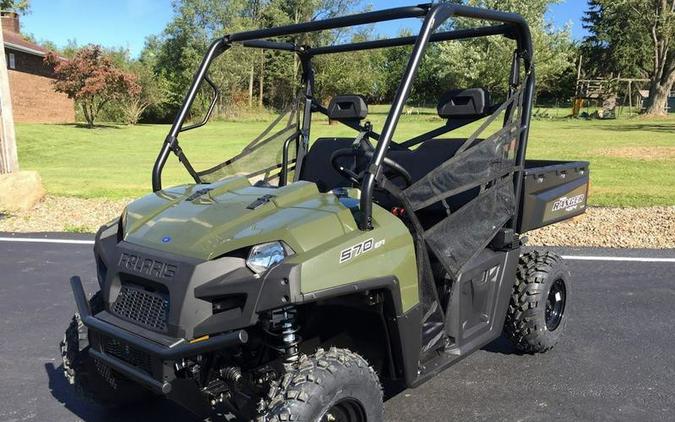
(264, 256)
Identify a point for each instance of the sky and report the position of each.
(126, 23)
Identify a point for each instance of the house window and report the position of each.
(11, 61)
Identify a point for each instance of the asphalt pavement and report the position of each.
(616, 362)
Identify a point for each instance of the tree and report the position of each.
(152, 92)
(634, 38)
(18, 6)
(240, 73)
(358, 72)
(472, 62)
(92, 80)
(271, 77)
(180, 48)
(297, 11)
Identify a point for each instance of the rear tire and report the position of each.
(536, 318)
(93, 380)
(334, 385)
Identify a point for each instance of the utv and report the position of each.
(299, 280)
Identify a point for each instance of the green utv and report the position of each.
(299, 280)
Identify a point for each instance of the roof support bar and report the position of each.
(398, 42)
(270, 45)
(333, 23)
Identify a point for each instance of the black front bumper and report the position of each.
(168, 350)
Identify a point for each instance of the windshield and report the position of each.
(263, 159)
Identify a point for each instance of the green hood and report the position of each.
(206, 221)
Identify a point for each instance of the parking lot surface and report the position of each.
(616, 362)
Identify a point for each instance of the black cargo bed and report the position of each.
(552, 191)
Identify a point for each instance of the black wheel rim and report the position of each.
(346, 410)
(555, 304)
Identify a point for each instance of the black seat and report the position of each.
(431, 153)
(418, 162)
(464, 103)
(316, 166)
(347, 107)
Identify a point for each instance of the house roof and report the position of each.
(18, 42)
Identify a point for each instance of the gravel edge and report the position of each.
(649, 227)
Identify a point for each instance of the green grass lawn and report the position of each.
(633, 160)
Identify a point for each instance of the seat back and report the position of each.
(419, 162)
(463, 103)
(347, 107)
(426, 157)
(316, 166)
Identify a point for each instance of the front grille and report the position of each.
(127, 353)
(142, 307)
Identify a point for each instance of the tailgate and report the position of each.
(552, 191)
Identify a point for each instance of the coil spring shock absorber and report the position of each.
(283, 326)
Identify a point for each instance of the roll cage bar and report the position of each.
(511, 25)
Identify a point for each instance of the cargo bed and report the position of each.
(552, 191)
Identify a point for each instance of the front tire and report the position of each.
(335, 385)
(536, 317)
(93, 380)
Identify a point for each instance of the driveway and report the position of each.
(617, 361)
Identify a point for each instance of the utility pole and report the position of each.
(9, 161)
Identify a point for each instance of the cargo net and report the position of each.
(261, 161)
(475, 188)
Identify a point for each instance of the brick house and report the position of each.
(30, 79)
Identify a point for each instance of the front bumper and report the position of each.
(161, 349)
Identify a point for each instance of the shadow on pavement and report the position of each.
(502, 346)
(160, 410)
(163, 410)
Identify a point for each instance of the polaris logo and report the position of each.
(358, 249)
(147, 266)
(568, 204)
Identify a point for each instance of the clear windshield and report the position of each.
(262, 160)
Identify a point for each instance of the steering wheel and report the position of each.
(367, 151)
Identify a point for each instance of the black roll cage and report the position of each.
(511, 25)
